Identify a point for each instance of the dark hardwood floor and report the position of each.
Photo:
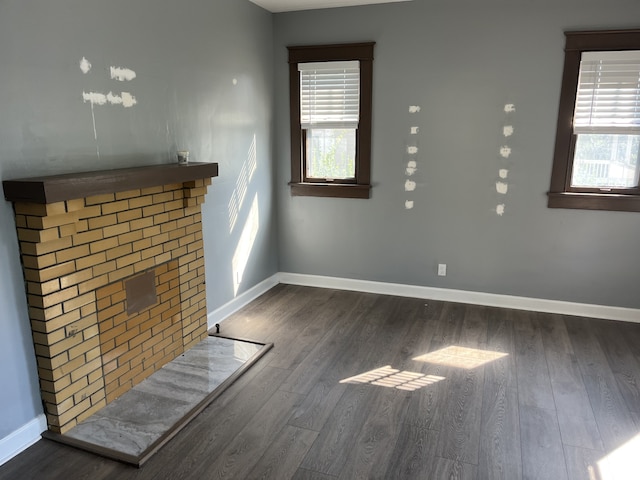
(556, 398)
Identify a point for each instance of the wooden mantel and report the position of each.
(58, 188)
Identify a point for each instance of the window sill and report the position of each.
(330, 190)
(594, 201)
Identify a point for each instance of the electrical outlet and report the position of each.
(442, 269)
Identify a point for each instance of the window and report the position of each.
(597, 154)
(330, 101)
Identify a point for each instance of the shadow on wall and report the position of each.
(16, 346)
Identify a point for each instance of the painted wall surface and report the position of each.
(203, 82)
(461, 62)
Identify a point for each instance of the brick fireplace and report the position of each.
(113, 263)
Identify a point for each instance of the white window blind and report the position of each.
(329, 94)
(608, 98)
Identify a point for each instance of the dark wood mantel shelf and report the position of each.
(58, 188)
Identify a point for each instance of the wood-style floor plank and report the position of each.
(557, 397)
(282, 457)
(542, 454)
(534, 386)
(578, 426)
(500, 452)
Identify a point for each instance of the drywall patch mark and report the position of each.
(412, 150)
(85, 65)
(114, 99)
(414, 109)
(509, 108)
(503, 173)
(122, 74)
(412, 167)
(502, 187)
(128, 100)
(408, 204)
(415, 130)
(500, 209)
(409, 186)
(507, 130)
(94, 98)
(505, 151)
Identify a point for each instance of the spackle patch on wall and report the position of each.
(509, 108)
(408, 204)
(85, 65)
(94, 98)
(412, 167)
(412, 150)
(415, 130)
(507, 130)
(409, 186)
(122, 74)
(126, 99)
(414, 109)
(502, 187)
(505, 151)
(503, 173)
(500, 209)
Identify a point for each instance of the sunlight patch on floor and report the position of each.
(460, 357)
(623, 463)
(393, 378)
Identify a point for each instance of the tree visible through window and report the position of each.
(330, 106)
(597, 154)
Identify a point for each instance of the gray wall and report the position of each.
(461, 62)
(186, 56)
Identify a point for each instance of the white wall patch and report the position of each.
(94, 98)
(500, 209)
(503, 172)
(502, 187)
(114, 99)
(509, 108)
(409, 186)
(505, 151)
(415, 130)
(414, 109)
(408, 204)
(412, 150)
(128, 100)
(122, 74)
(85, 65)
(412, 167)
(507, 130)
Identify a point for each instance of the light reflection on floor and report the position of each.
(393, 378)
(452, 356)
(460, 357)
(623, 463)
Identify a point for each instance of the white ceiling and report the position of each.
(277, 6)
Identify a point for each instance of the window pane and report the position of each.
(606, 161)
(331, 153)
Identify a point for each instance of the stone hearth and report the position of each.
(114, 271)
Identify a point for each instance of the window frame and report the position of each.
(361, 186)
(561, 194)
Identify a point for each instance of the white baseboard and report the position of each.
(229, 308)
(463, 296)
(21, 439)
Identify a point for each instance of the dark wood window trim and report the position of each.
(561, 194)
(363, 52)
